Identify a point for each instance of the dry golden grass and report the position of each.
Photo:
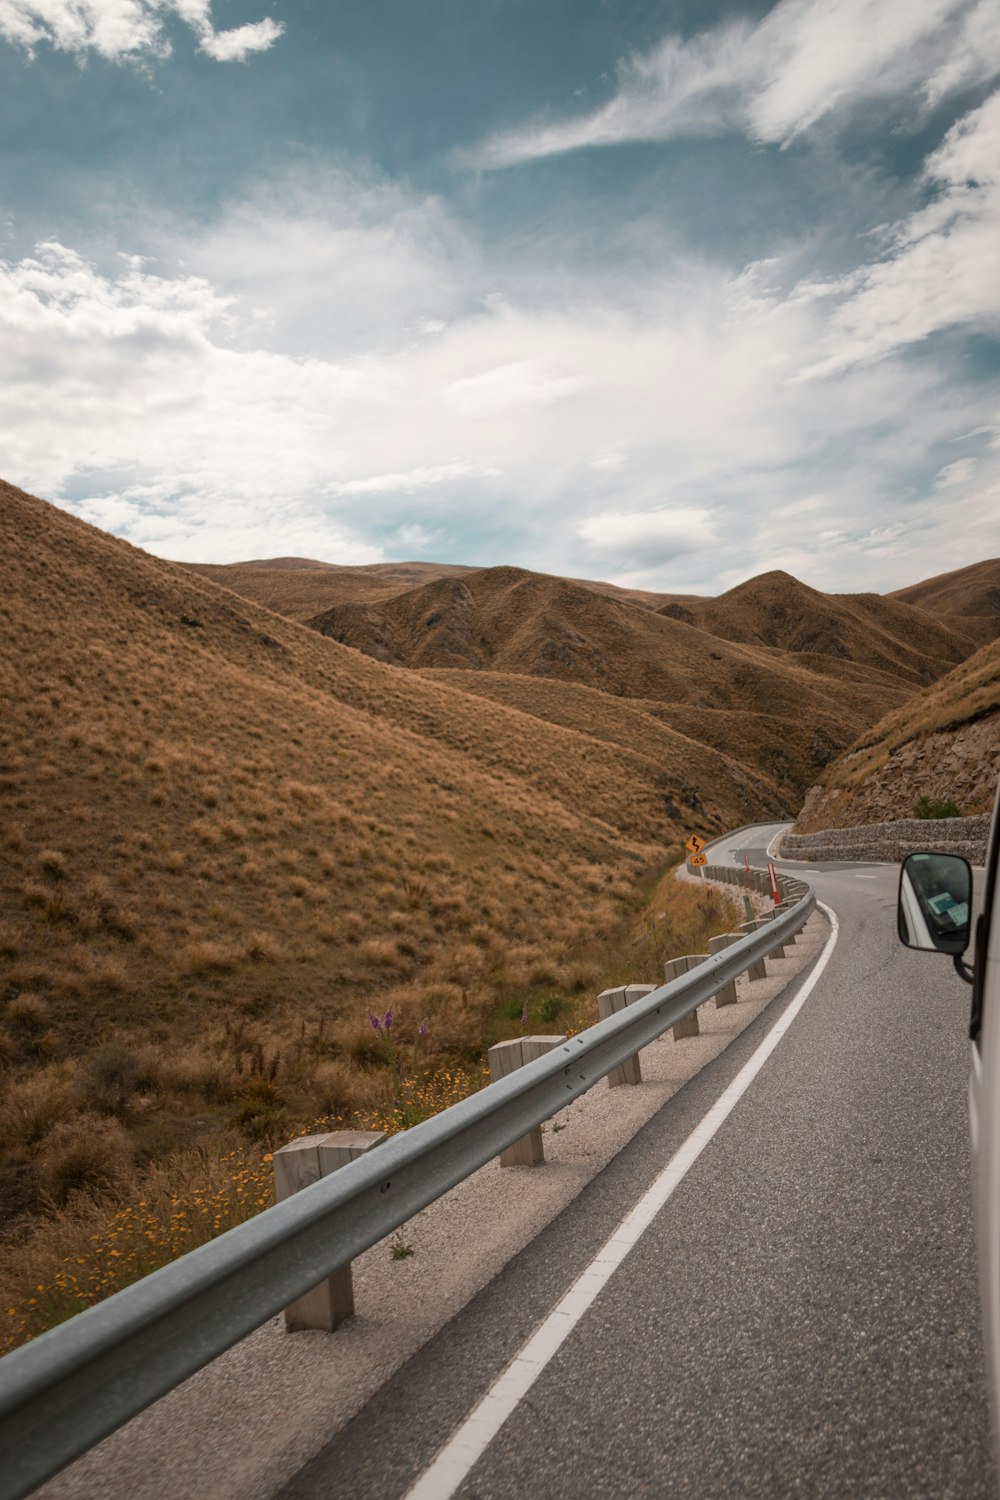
(298, 593)
(113, 1213)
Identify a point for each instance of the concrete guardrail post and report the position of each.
(673, 969)
(727, 995)
(296, 1166)
(778, 951)
(609, 1003)
(756, 969)
(507, 1057)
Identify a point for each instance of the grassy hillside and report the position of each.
(942, 747)
(766, 756)
(228, 838)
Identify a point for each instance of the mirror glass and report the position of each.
(934, 895)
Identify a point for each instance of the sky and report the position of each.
(669, 294)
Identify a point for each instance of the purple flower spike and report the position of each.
(422, 1029)
(524, 1016)
(387, 1020)
(376, 1023)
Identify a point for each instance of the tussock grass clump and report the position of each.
(86, 1154)
(27, 1015)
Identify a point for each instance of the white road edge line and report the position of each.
(470, 1441)
(770, 850)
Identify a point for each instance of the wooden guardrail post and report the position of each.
(673, 969)
(296, 1166)
(609, 1003)
(507, 1057)
(727, 995)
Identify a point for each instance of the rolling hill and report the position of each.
(691, 665)
(228, 838)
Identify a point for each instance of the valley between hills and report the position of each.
(248, 805)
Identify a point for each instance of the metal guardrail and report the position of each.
(72, 1386)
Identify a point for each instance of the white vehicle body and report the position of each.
(984, 1112)
(926, 892)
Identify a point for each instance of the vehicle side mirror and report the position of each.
(935, 891)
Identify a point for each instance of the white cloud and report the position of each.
(521, 383)
(181, 397)
(405, 482)
(941, 269)
(416, 538)
(960, 472)
(127, 30)
(648, 537)
(805, 60)
(371, 260)
(972, 57)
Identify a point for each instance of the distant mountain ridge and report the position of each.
(775, 609)
(774, 672)
(968, 598)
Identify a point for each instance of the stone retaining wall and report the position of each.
(892, 841)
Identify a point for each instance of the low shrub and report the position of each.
(928, 807)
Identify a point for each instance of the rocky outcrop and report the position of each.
(892, 841)
(960, 765)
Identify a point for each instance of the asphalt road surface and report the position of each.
(800, 1319)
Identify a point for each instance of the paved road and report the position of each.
(800, 1319)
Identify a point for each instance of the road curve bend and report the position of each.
(800, 1317)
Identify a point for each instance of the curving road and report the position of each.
(800, 1319)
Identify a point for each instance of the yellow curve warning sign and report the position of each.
(695, 844)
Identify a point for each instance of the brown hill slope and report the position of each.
(943, 745)
(775, 754)
(777, 610)
(967, 598)
(525, 625)
(227, 838)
